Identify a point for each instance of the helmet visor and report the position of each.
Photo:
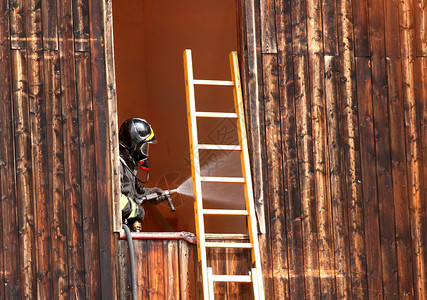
(144, 149)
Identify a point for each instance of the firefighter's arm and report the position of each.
(130, 209)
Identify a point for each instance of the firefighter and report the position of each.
(135, 137)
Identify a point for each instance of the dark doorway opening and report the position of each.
(150, 37)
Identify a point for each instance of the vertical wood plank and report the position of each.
(369, 183)
(81, 25)
(10, 284)
(189, 285)
(256, 131)
(289, 150)
(24, 182)
(275, 177)
(361, 30)
(306, 176)
(171, 271)
(400, 188)
(50, 24)
(107, 238)
(329, 17)
(156, 281)
(382, 148)
(87, 175)
(17, 24)
(143, 250)
(392, 43)
(268, 29)
(337, 178)
(413, 147)
(37, 108)
(112, 109)
(351, 153)
(322, 193)
(72, 192)
(422, 108)
(55, 166)
(299, 28)
(420, 22)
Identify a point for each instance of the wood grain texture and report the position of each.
(268, 27)
(17, 16)
(369, 183)
(107, 239)
(382, 147)
(351, 151)
(24, 178)
(87, 175)
(337, 178)
(81, 25)
(289, 150)
(55, 164)
(399, 171)
(275, 179)
(306, 176)
(10, 271)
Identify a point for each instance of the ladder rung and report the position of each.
(219, 147)
(231, 278)
(205, 114)
(222, 179)
(227, 245)
(213, 82)
(226, 236)
(229, 212)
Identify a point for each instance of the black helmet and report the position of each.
(134, 135)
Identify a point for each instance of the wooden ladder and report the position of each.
(254, 276)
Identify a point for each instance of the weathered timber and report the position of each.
(37, 109)
(323, 208)
(268, 27)
(17, 15)
(329, 17)
(299, 28)
(102, 152)
(420, 24)
(289, 150)
(369, 183)
(23, 169)
(382, 148)
(391, 32)
(49, 24)
(306, 176)
(10, 271)
(112, 109)
(87, 175)
(351, 153)
(275, 179)
(72, 179)
(81, 25)
(55, 166)
(361, 28)
(413, 147)
(399, 171)
(337, 178)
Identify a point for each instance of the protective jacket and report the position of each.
(132, 191)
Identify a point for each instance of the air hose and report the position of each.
(132, 262)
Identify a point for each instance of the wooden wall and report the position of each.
(56, 95)
(165, 269)
(337, 106)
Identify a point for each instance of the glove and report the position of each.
(160, 196)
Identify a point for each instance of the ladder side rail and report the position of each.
(245, 162)
(195, 168)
